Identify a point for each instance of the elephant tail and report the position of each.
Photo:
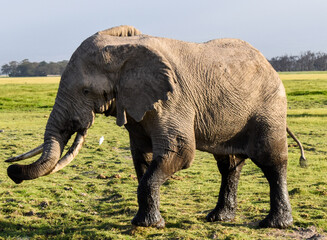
(303, 160)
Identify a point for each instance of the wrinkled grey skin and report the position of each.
(173, 97)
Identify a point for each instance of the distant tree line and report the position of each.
(26, 68)
(307, 61)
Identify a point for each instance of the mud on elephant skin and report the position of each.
(173, 97)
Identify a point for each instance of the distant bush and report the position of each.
(26, 68)
(307, 61)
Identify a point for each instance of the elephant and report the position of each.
(173, 97)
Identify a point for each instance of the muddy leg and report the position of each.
(160, 169)
(280, 214)
(230, 167)
(271, 157)
(141, 162)
(141, 159)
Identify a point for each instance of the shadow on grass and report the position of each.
(306, 115)
(95, 230)
(250, 225)
(306, 93)
(88, 231)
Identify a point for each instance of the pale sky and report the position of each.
(51, 30)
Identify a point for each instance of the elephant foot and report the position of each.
(220, 215)
(148, 220)
(277, 221)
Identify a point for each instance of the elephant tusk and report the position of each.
(70, 155)
(26, 155)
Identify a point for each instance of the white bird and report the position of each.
(101, 140)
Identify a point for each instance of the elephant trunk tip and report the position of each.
(15, 172)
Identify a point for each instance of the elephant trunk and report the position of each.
(49, 161)
(70, 155)
(49, 158)
(55, 138)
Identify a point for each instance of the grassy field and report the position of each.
(76, 204)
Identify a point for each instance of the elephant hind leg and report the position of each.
(280, 214)
(272, 159)
(230, 167)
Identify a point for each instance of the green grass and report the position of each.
(306, 91)
(75, 204)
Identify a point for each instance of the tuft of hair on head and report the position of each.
(121, 31)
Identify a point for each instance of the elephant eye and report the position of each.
(86, 91)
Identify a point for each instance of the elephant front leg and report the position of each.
(141, 162)
(230, 168)
(160, 169)
(148, 194)
(141, 159)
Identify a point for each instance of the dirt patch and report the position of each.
(299, 233)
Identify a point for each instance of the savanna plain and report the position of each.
(95, 196)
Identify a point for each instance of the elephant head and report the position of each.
(106, 74)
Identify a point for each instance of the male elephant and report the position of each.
(173, 97)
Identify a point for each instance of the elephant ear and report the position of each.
(145, 77)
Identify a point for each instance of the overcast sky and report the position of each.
(51, 30)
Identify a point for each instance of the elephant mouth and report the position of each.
(47, 164)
